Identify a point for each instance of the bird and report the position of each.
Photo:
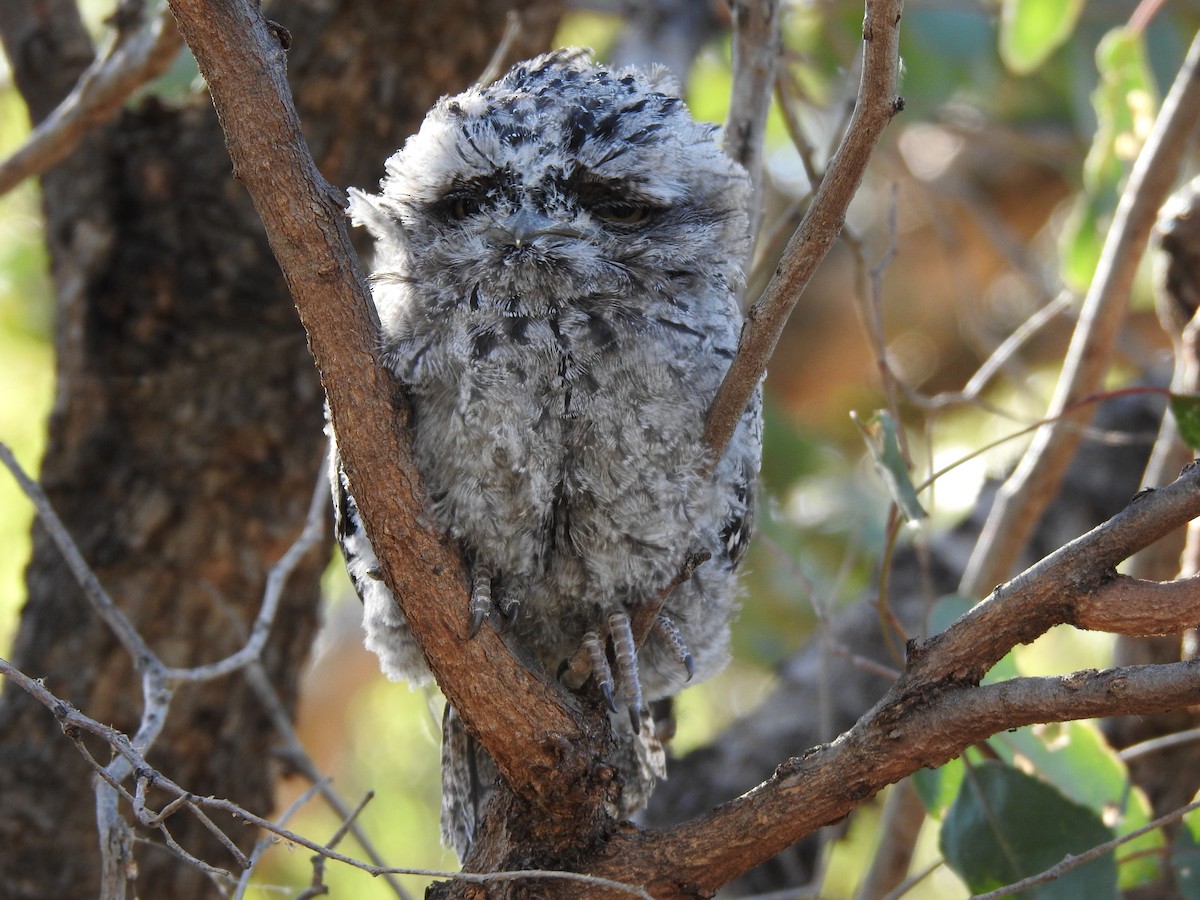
(557, 262)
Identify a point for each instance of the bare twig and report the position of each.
(97, 97)
(73, 722)
(1009, 347)
(1154, 745)
(756, 40)
(495, 66)
(296, 756)
(267, 841)
(138, 650)
(316, 527)
(877, 104)
(318, 886)
(1024, 496)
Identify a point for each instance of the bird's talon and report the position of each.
(477, 618)
(512, 611)
(609, 700)
(635, 717)
(481, 597)
(669, 632)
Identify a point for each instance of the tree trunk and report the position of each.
(186, 431)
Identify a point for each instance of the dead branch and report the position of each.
(97, 97)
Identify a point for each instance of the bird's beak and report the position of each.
(525, 225)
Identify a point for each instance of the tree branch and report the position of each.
(876, 105)
(1024, 496)
(756, 41)
(97, 97)
(937, 707)
(531, 728)
(1138, 608)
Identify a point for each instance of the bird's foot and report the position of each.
(617, 677)
(484, 602)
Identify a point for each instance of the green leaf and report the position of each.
(1030, 30)
(1082, 238)
(1126, 102)
(1076, 759)
(1005, 826)
(879, 432)
(1185, 856)
(1186, 410)
(938, 787)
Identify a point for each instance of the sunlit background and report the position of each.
(986, 198)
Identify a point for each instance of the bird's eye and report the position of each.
(463, 206)
(621, 213)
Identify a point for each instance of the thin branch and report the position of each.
(495, 66)
(1023, 497)
(96, 98)
(316, 528)
(116, 844)
(756, 43)
(877, 104)
(317, 886)
(1002, 355)
(138, 650)
(266, 842)
(1154, 745)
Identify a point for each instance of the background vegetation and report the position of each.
(989, 199)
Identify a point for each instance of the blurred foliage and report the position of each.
(26, 363)
(991, 193)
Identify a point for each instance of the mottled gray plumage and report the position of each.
(556, 263)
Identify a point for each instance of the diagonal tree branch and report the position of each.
(531, 728)
(937, 708)
(1024, 496)
(97, 97)
(877, 103)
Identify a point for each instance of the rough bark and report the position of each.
(186, 430)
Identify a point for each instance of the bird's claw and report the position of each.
(510, 608)
(669, 632)
(593, 649)
(591, 660)
(481, 598)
